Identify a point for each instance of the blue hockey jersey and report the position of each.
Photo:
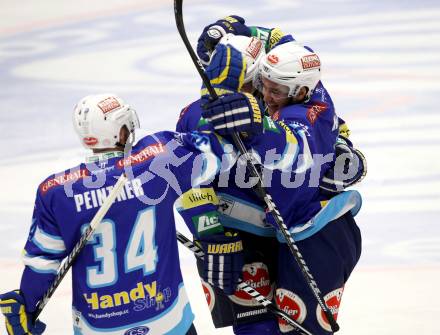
(127, 278)
(316, 117)
(314, 129)
(239, 207)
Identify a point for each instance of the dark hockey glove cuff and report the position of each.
(223, 260)
(232, 113)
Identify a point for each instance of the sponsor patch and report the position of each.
(207, 223)
(256, 275)
(141, 330)
(63, 179)
(108, 105)
(198, 196)
(142, 156)
(273, 59)
(90, 141)
(310, 62)
(209, 295)
(315, 111)
(293, 305)
(270, 125)
(254, 47)
(333, 301)
(275, 35)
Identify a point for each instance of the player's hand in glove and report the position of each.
(223, 260)
(232, 113)
(18, 321)
(225, 72)
(350, 168)
(212, 34)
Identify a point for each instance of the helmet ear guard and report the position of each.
(291, 65)
(98, 119)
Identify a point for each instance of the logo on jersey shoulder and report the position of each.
(142, 156)
(256, 275)
(300, 127)
(310, 62)
(63, 179)
(333, 301)
(207, 223)
(293, 305)
(315, 111)
(109, 104)
(142, 330)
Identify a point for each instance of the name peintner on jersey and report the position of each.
(95, 198)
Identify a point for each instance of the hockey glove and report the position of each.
(226, 71)
(349, 169)
(232, 113)
(212, 34)
(223, 260)
(18, 321)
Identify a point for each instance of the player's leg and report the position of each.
(331, 255)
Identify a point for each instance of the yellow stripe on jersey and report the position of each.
(290, 138)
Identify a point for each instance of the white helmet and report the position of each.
(251, 48)
(99, 118)
(292, 65)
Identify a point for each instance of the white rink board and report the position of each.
(381, 64)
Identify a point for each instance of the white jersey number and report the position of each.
(141, 251)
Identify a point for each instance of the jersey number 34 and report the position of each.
(140, 253)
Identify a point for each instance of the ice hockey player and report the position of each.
(127, 279)
(312, 98)
(244, 214)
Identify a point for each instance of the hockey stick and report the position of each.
(81, 244)
(259, 189)
(261, 299)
